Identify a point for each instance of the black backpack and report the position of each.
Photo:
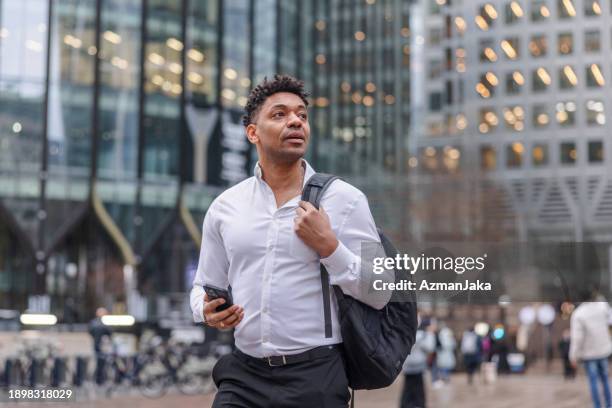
(375, 342)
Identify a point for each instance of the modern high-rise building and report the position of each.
(516, 114)
(119, 122)
(362, 51)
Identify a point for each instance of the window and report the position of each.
(568, 153)
(566, 113)
(461, 121)
(435, 36)
(460, 54)
(451, 158)
(514, 118)
(488, 120)
(449, 93)
(449, 59)
(566, 8)
(461, 25)
(540, 79)
(514, 154)
(435, 128)
(486, 17)
(539, 10)
(565, 43)
(514, 82)
(592, 41)
(539, 155)
(510, 46)
(428, 158)
(567, 77)
(487, 52)
(595, 113)
(514, 12)
(435, 69)
(435, 101)
(592, 8)
(538, 46)
(594, 76)
(434, 7)
(596, 152)
(488, 159)
(487, 84)
(539, 116)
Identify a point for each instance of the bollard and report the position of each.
(80, 372)
(9, 375)
(58, 374)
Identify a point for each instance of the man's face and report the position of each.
(281, 131)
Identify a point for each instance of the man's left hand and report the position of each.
(313, 227)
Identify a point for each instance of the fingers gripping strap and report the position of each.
(313, 191)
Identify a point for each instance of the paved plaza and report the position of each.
(524, 391)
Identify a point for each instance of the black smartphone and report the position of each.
(214, 292)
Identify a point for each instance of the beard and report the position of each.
(285, 155)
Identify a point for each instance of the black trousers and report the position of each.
(413, 394)
(242, 383)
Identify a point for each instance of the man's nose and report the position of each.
(294, 120)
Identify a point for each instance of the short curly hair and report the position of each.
(259, 94)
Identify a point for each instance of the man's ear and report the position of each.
(251, 133)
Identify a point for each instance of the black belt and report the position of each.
(278, 361)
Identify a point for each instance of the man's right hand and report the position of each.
(226, 319)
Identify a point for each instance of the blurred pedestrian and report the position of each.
(99, 330)
(101, 335)
(445, 354)
(432, 358)
(471, 349)
(564, 349)
(71, 313)
(413, 393)
(590, 342)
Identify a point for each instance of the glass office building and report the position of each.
(119, 123)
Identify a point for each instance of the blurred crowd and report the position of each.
(483, 352)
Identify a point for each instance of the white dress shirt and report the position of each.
(249, 244)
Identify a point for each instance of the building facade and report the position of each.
(119, 123)
(519, 93)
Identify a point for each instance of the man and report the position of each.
(266, 244)
(413, 392)
(590, 342)
(471, 348)
(101, 335)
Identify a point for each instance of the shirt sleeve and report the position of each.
(212, 266)
(351, 268)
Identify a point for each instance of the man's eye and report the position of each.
(303, 116)
(278, 114)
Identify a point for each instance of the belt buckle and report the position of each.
(269, 359)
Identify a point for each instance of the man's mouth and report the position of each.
(295, 137)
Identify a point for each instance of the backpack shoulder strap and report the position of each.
(316, 186)
(313, 192)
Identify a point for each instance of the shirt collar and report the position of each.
(308, 171)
